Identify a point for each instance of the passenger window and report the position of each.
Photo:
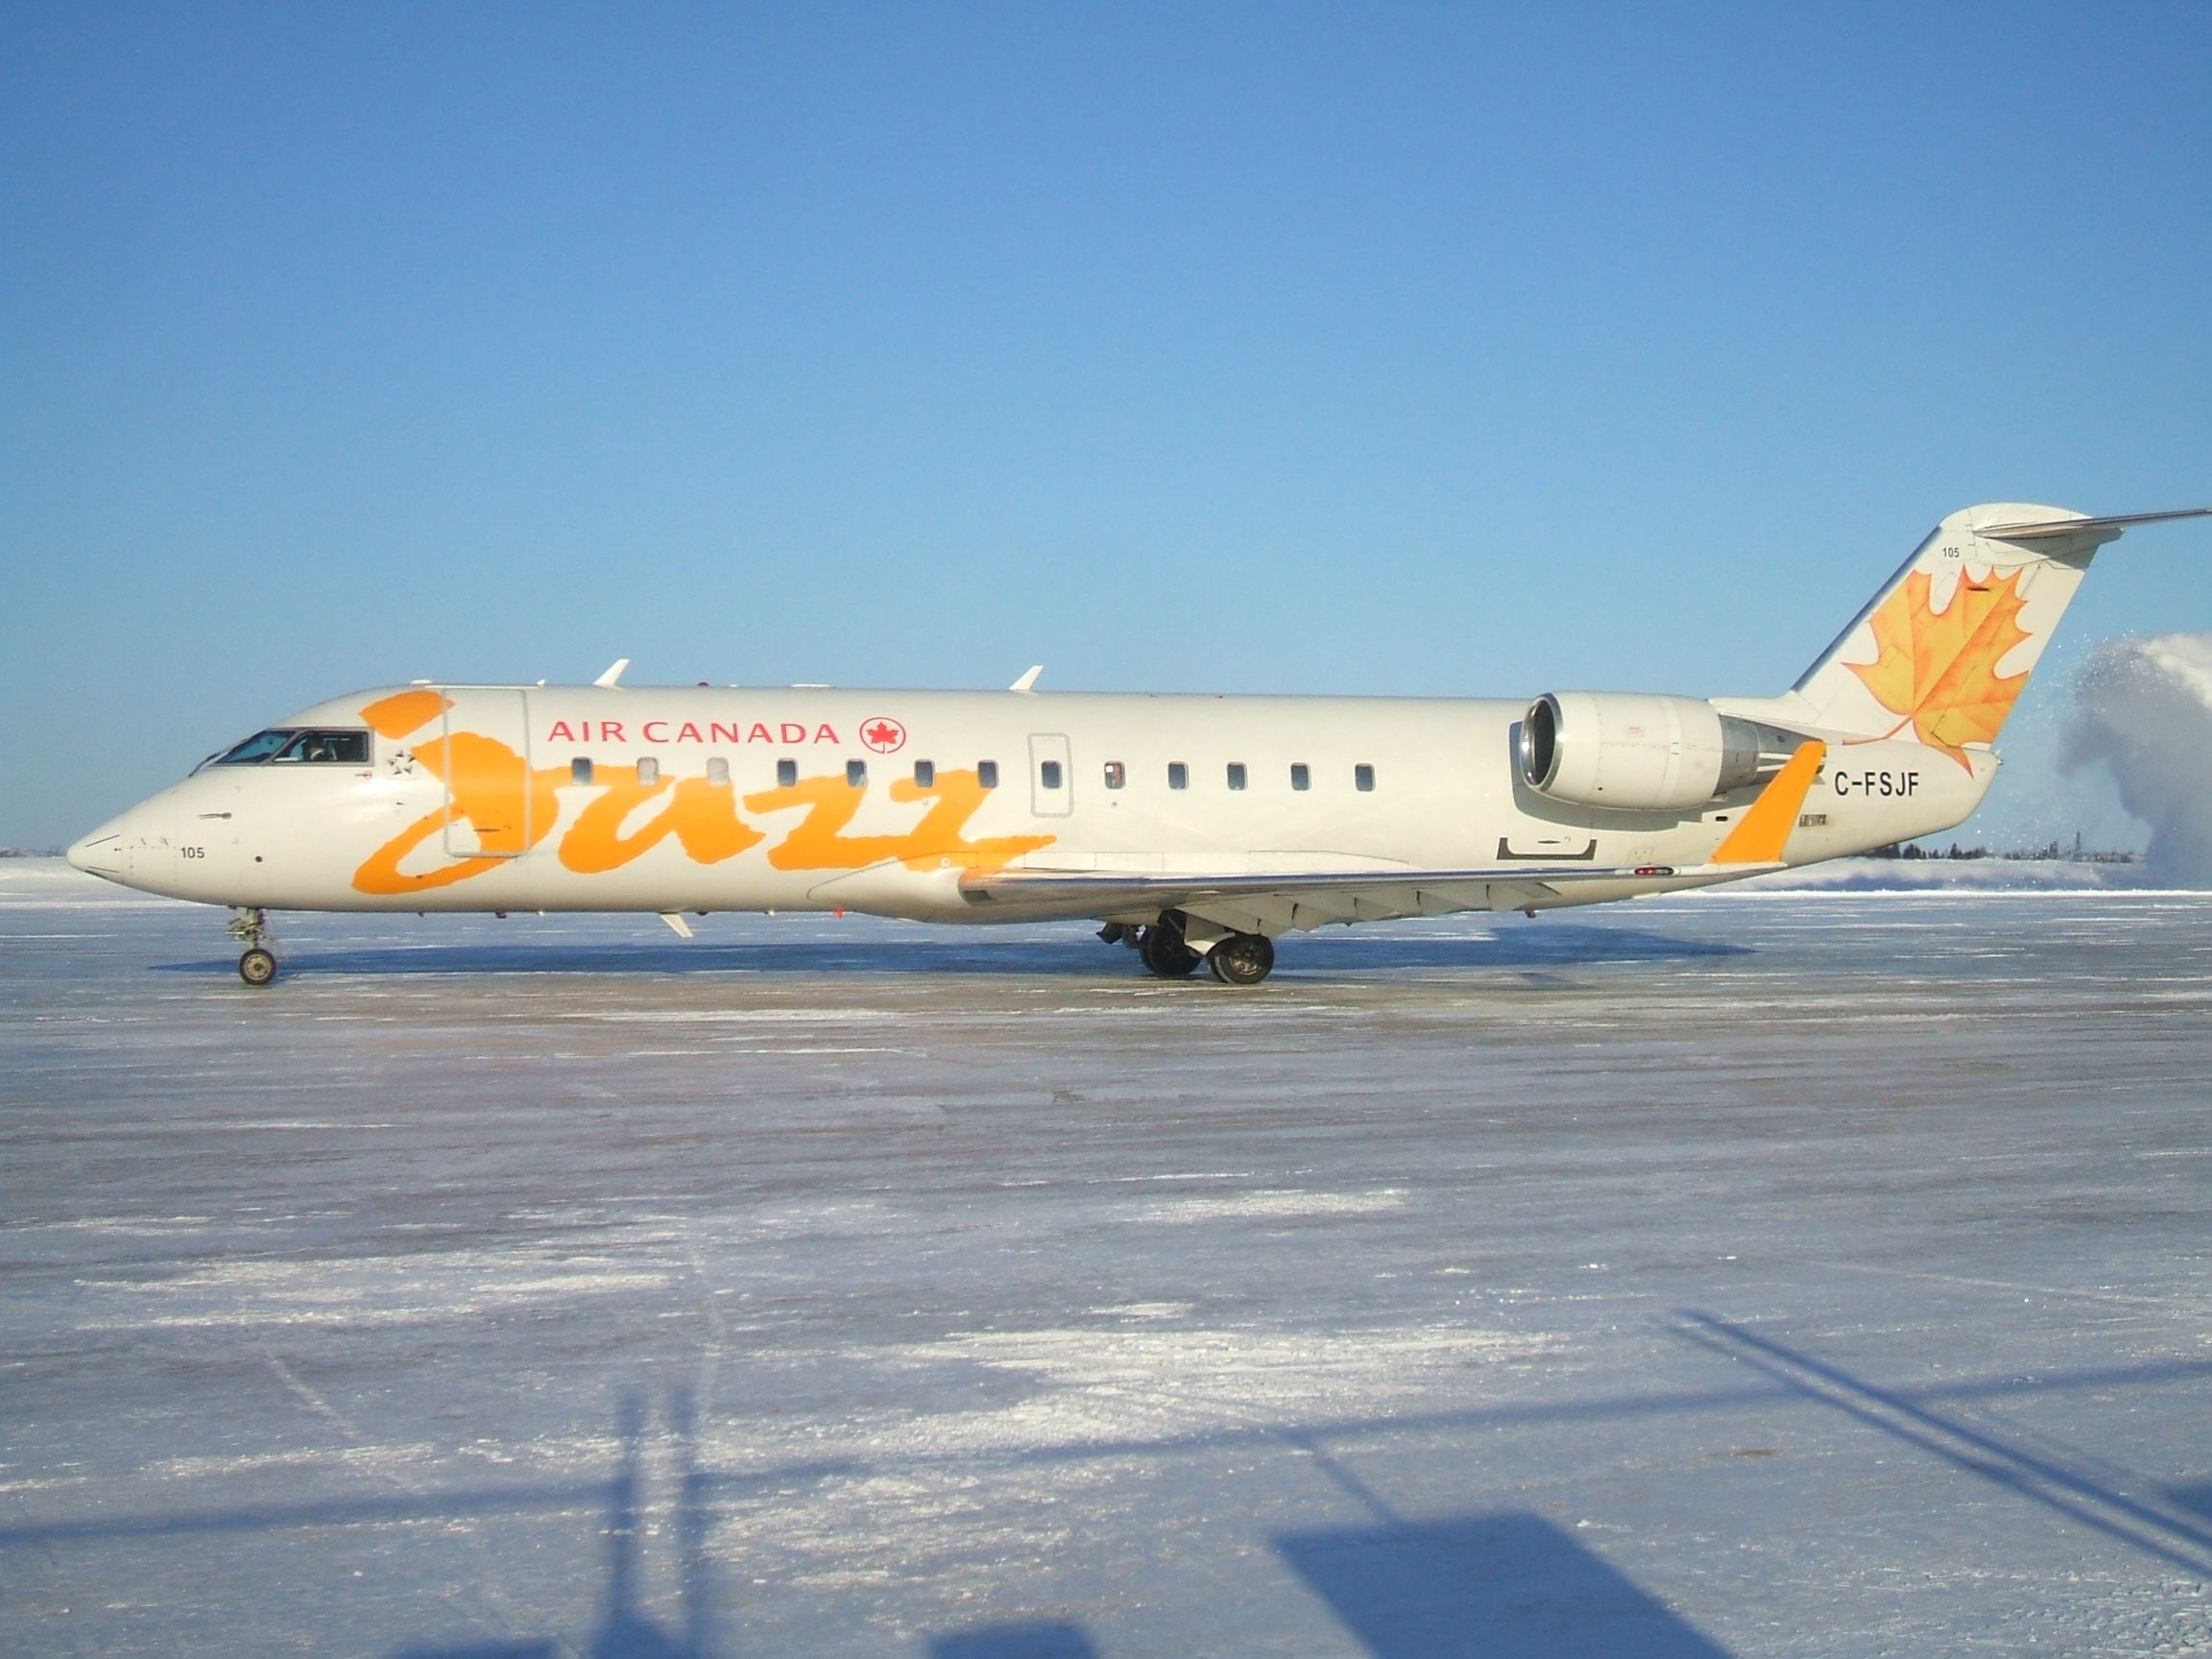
(1236, 774)
(987, 774)
(924, 774)
(580, 769)
(786, 774)
(1048, 773)
(1363, 776)
(648, 771)
(857, 773)
(1300, 775)
(718, 771)
(1178, 775)
(1116, 774)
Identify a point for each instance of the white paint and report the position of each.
(1409, 808)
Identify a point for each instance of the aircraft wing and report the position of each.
(1275, 902)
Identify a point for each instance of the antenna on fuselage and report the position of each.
(613, 675)
(1028, 682)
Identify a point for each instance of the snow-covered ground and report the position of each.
(1954, 876)
(1786, 1273)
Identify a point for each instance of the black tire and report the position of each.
(258, 967)
(1165, 953)
(1242, 959)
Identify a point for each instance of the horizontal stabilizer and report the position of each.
(2077, 526)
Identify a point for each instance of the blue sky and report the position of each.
(1395, 349)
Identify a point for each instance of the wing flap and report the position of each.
(1276, 902)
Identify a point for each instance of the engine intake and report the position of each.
(1638, 753)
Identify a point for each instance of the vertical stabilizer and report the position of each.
(1943, 651)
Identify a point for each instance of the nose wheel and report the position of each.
(258, 967)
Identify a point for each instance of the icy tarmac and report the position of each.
(1816, 1274)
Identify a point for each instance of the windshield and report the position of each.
(258, 747)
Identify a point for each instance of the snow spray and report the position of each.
(2145, 712)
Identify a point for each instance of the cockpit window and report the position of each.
(326, 748)
(288, 745)
(256, 748)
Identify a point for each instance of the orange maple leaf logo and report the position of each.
(1938, 669)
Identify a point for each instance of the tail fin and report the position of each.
(1941, 653)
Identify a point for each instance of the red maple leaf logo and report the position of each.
(887, 736)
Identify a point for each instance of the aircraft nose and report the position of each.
(101, 852)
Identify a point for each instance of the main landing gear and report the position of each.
(1163, 951)
(1238, 959)
(1242, 959)
(258, 967)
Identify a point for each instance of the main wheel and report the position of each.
(256, 966)
(1242, 959)
(1166, 954)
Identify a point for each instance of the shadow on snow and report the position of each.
(1507, 1584)
(1513, 950)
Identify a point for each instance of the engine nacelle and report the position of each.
(1633, 752)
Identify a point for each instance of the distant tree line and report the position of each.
(2077, 855)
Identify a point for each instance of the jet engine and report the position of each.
(1638, 753)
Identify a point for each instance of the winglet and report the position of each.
(1028, 682)
(1764, 829)
(613, 675)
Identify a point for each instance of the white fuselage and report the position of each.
(1195, 826)
(658, 799)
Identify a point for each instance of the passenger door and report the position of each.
(485, 764)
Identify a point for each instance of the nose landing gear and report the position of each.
(258, 967)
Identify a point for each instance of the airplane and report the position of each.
(1196, 830)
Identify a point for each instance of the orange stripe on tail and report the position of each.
(1764, 830)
